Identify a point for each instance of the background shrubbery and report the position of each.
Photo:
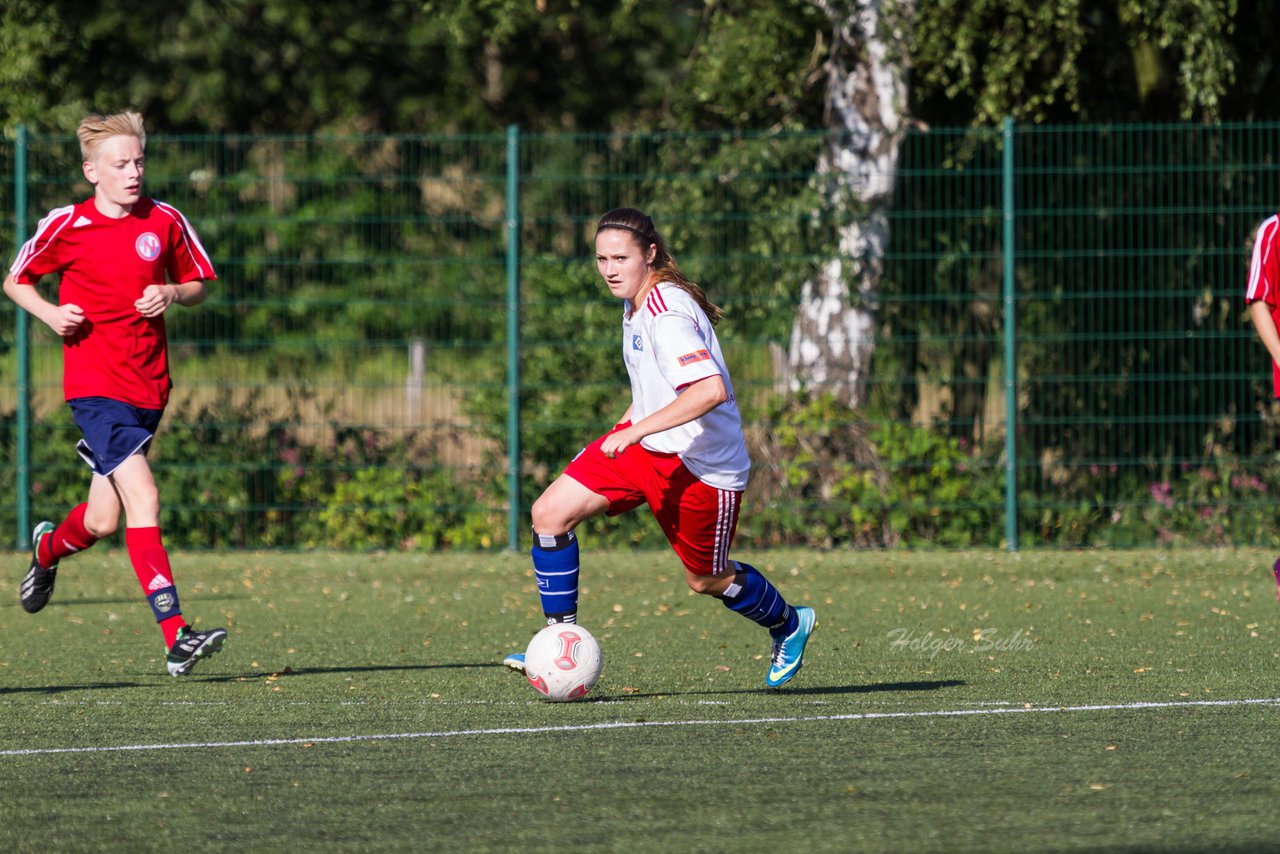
(823, 477)
(243, 479)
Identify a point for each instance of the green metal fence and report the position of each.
(393, 313)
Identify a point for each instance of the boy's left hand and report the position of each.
(155, 299)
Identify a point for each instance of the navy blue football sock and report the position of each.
(752, 596)
(555, 563)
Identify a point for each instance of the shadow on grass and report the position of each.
(788, 690)
(318, 671)
(162, 678)
(66, 602)
(62, 689)
(823, 690)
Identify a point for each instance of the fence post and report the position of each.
(513, 337)
(22, 321)
(415, 380)
(1010, 351)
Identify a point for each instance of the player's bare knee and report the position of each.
(547, 517)
(707, 585)
(101, 524)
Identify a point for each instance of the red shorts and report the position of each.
(699, 520)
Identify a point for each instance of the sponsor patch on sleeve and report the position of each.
(695, 356)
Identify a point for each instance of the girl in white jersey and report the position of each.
(678, 448)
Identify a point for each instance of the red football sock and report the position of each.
(67, 539)
(151, 565)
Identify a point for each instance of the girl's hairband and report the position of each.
(637, 232)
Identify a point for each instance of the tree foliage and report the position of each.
(297, 66)
(289, 66)
(977, 61)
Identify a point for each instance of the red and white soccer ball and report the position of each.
(563, 662)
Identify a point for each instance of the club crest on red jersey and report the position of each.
(148, 246)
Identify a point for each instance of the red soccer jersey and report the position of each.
(105, 264)
(1264, 278)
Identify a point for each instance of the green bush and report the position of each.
(830, 477)
(230, 475)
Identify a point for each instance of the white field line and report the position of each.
(861, 716)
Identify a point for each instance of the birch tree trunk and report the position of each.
(833, 337)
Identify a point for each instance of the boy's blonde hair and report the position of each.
(94, 129)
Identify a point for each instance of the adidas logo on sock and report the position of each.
(158, 583)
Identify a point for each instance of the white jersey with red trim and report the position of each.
(668, 343)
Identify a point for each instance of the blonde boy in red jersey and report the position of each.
(124, 259)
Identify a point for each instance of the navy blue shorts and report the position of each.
(113, 431)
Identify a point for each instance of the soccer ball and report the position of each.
(563, 662)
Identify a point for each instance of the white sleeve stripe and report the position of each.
(1261, 252)
(194, 246)
(27, 253)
